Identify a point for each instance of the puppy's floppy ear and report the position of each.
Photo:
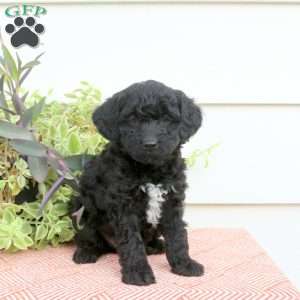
(106, 116)
(191, 117)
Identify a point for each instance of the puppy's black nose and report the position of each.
(150, 144)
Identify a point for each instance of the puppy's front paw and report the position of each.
(189, 268)
(85, 256)
(141, 276)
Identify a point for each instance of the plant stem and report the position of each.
(7, 110)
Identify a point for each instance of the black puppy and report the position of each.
(134, 191)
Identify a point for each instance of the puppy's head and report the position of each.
(149, 120)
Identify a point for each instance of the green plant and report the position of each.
(20, 225)
(67, 126)
(20, 228)
(205, 154)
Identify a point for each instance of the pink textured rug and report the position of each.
(236, 268)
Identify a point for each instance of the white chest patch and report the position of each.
(155, 194)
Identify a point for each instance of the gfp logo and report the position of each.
(25, 30)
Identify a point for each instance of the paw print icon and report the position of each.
(24, 33)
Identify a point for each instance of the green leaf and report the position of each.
(19, 63)
(10, 63)
(22, 241)
(31, 64)
(74, 144)
(4, 73)
(28, 241)
(66, 235)
(38, 168)
(21, 165)
(3, 102)
(63, 129)
(51, 233)
(60, 209)
(30, 148)
(12, 208)
(26, 228)
(41, 244)
(42, 188)
(51, 218)
(21, 180)
(2, 61)
(5, 243)
(18, 224)
(41, 232)
(4, 230)
(70, 95)
(31, 209)
(2, 184)
(8, 217)
(58, 227)
(55, 241)
(32, 113)
(12, 131)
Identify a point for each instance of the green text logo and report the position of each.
(25, 10)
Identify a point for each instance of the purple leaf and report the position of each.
(57, 162)
(78, 215)
(12, 131)
(77, 162)
(7, 110)
(18, 104)
(23, 98)
(31, 113)
(56, 185)
(30, 148)
(38, 168)
(24, 76)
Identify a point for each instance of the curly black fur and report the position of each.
(146, 125)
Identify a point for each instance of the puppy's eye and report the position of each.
(132, 118)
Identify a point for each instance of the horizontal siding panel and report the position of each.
(216, 53)
(256, 160)
(83, 2)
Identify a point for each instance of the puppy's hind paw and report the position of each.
(85, 256)
(189, 268)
